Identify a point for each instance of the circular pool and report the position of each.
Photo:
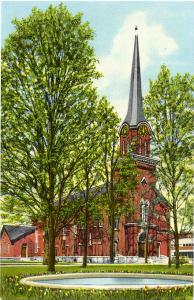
(108, 281)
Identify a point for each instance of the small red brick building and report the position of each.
(21, 241)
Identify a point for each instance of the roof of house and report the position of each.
(16, 232)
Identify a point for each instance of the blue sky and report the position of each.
(166, 35)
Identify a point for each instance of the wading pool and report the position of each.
(108, 281)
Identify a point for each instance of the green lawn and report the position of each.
(16, 270)
(2, 261)
(12, 289)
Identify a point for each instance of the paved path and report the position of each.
(34, 264)
(60, 265)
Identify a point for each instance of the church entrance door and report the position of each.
(141, 249)
(24, 250)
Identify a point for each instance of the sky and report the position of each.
(165, 30)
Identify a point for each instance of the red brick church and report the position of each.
(148, 222)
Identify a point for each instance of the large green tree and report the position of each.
(169, 108)
(48, 67)
(120, 191)
(119, 175)
(91, 177)
(92, 169)
(12, 212)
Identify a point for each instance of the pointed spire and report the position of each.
(135, 108)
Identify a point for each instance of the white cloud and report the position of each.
(154, 44)
(120, 106)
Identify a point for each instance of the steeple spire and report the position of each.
(135, 108)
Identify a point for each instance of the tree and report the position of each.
(163, 215)
(48, 67)
(12, 212)
(120, 193)
(91, 177)
(119, 174)
(148, 211)
(169, 107)
(156, 212)
(186, 215)
(92, 169)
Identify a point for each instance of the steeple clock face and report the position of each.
(125, 130)
(143, 130)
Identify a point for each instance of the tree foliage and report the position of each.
(48, 67)
(169, 107)
(92, 170)
(119, 175)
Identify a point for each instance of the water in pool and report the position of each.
(111, 281)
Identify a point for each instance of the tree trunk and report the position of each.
(46, 247)
(176, 239)
(169, 262)
(177, 250)
(85, 256)
(168, 240)
(146, 247)
(51, 249)
(169, 254)
(112, 235)
(168, 251)
(112, 223)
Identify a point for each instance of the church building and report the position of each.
(148, 223)
(143, 231)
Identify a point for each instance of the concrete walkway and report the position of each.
(36, 264)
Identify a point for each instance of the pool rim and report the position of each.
(32, 280)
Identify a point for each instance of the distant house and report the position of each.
(20, 241)
(186, 244)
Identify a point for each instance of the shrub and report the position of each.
(182, 260)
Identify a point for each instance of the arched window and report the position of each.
(140, 146)
(116, 224)
(144, 210)
(8, 248)
(90, 239)
(128, 147)
(145, 148)
(36, 242)
(123, 147)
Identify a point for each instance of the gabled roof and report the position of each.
(16, 232)
(135, 113)
(96, 191)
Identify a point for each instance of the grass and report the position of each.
(18, 262)
(17, 270)
(12, 289)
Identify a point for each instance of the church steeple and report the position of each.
(135, 113)
(135, 131)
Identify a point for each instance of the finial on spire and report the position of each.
(136, 28)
